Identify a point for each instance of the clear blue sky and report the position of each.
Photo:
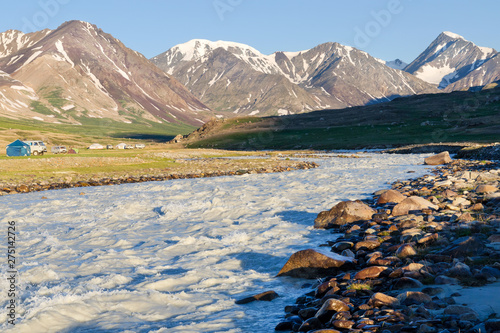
(386, 29)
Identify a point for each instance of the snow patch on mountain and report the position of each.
(453, 35)
(60, 48)
(433, 74)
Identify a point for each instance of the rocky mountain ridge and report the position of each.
(454, 63)
(237, 79)
(78, 72)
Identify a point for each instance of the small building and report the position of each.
(96, 146)
(18, 148)
(121, 146)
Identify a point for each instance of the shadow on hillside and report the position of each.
(137, 136)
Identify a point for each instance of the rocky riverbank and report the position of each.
(403, 257)
(199, 168)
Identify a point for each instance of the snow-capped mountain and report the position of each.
(236, 78)
(453, 63)
(77, 71)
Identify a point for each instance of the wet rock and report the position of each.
(343, 213)
(288, 324)
(371, 272)
(307, 313)
(323, 288)
(341, 246)
(311, 324)
(412, 204)
(380, 299)
(310, 264)
(329, 308)
(265, 296)
(390, 196)
(441, 158)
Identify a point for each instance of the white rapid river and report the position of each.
(174, 256)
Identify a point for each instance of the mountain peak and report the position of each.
(452, 35)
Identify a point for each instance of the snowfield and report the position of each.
(174, 256)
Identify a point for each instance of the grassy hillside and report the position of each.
(92, 130)
(453, 117)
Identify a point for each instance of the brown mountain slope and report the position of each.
(236, 79)
(80, 72)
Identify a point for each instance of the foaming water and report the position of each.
(174, 256)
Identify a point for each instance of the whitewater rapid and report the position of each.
(174, 256)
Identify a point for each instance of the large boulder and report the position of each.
(412, 203)
(441, 158)
(486, 189)
(343, 213)
(391, 196)
(311, 264)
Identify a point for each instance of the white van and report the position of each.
(36, 147)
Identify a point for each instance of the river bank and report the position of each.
(59, 172)
(403, 269)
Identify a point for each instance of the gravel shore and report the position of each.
(427, 259)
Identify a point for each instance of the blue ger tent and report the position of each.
(18, 148)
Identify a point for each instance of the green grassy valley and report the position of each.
(452, 117)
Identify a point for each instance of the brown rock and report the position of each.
(310, 264)
(343, 213)
(407, 283)
(428, 239)
(366, 245)
(23, 189)
(329, 308)
(449, 194)
(371, 272)
(380, 299)
(441, 158)
(412, 203)
(265, 296)
(405, 250)
(477, 206)
(413, 297)
(391, 196)
(347, 324)
(486, 189)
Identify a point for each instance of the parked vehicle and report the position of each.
(129, 147)
(110, 147)
(36, 147)
(59, 150)
(140, 146)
